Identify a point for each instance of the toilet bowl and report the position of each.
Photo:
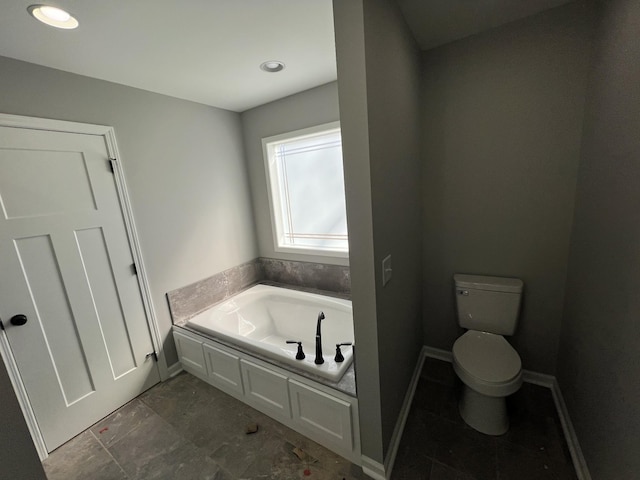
(485, 362)
(490, 370)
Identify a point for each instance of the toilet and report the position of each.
(487, 364)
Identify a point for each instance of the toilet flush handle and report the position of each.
(463, 292)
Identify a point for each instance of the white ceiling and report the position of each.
(209, 51)
(436, 22)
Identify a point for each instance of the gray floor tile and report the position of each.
(443, 472)
(439, 372)
(539, 434)
(238, 450)
(534, 447)
(438, 399)
(80, 458)
(185, 429)
(467, 451)
(519, 463)
(152, 439)
(121, 422)
(411, 465)
(184, 463)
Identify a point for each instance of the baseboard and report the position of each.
(540, 379)
(548, 381)
(579, 461)
(394, 444)
(174, 369)
(374, 469)
(438, 354)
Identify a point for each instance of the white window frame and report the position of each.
(274, 195)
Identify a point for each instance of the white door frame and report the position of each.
(32, 123)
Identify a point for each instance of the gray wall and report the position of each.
(307, 109)
(501, 133)
(183, 163)
(349, 31)
(18, 457)
(378, 78)
(599, 362)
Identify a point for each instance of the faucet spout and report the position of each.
(319, 358)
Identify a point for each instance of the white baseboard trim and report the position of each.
(174, 369)
(548, 381)
(579, 461)
(438, 354)
(372, 468)
(540, 379)
(394, 444)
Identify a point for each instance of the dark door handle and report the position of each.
(18, 320)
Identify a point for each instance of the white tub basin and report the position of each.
(263, 318)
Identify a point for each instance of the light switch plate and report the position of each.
(386, 270)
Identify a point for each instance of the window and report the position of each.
(306, 191)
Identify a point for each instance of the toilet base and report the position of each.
(483, 413)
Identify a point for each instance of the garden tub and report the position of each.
(262, 318)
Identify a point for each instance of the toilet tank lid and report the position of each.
(494, 284)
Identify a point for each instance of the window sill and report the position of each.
(312, 252)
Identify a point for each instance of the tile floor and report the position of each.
(184, 429)
(438, 445)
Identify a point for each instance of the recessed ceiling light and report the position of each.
(53, 16)
(272, 66)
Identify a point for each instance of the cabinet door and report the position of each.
(322, 417)
(190, 354)
(223, 370)
(266, 390)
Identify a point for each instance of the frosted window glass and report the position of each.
(310, 200)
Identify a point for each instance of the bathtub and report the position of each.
(262, 318)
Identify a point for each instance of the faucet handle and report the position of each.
(339, 358)
(300, 355)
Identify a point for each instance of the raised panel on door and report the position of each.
(223, 370)
(266, 390)
(65, 263)
(323, 417)
(191, 354)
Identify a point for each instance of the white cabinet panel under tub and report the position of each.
(325, 415)
(322, 416)
(223, 370)
(265, 389)
(191, 354)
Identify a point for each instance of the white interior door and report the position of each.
(66, 265)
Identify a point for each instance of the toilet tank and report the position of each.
(488, 304)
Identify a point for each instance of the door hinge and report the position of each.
(152, 354)
(134, 269)
(112, 165)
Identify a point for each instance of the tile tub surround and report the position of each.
(315, 276)
(185, 302)
(185, 429)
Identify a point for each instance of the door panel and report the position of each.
(36, 183)
(52, 312)
(65, 262)
(108, 307)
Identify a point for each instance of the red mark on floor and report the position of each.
(307, 472)
(103, 430)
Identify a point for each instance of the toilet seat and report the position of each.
(487, 363)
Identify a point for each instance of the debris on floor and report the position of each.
(301, 454)
(251, 428)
